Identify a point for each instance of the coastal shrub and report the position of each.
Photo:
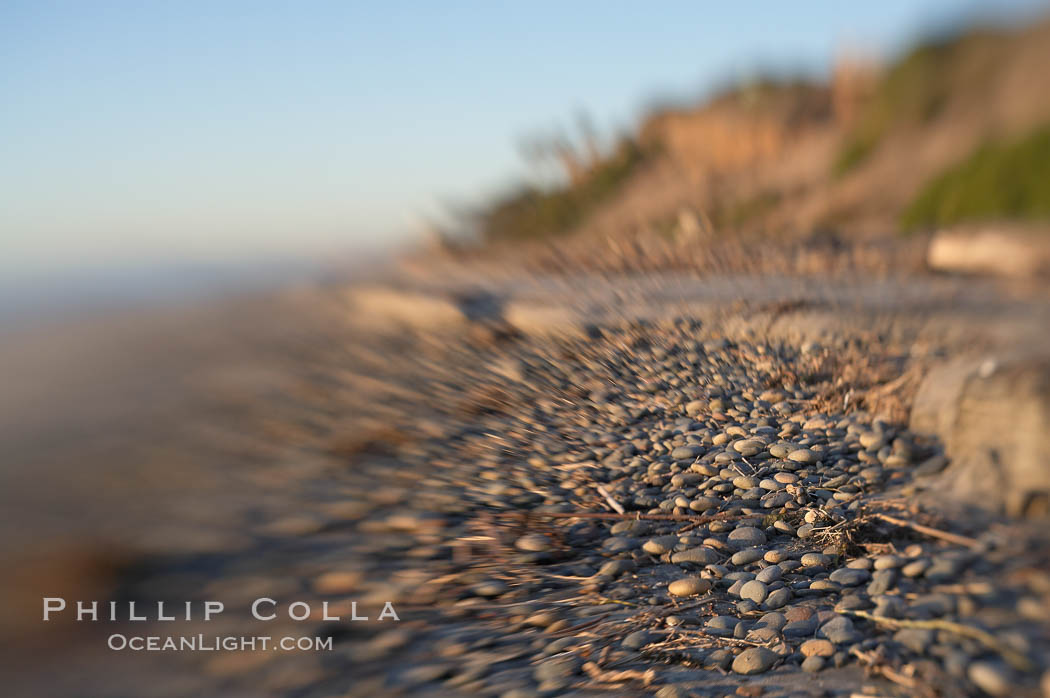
(535, 212)
(912, 92)
(1005, 180)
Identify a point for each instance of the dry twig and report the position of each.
(1016, 659)
(616, 506)
(929, 531)
(596, 673)
(631, 516)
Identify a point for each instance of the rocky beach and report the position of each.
(648, 485)
(525, 351)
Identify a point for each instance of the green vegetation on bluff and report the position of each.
(534, 212)
(911, 93)
(998, 181)
(936, 137)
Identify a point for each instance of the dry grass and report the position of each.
(855, 377)
(645, 252)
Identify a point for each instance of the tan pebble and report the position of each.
(337, 582)
(803, 455)
(542, 619)
(689, 586)
(817, 648)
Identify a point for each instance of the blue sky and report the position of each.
(140, 133)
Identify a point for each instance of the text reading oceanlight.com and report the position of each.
(204, 643)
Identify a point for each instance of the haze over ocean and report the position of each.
(151, 150)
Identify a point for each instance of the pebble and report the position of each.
(620, 544)
(824, 585)
(889, 606)
(704, 503)
(931, 466)
(746, 537)
(817, 648)
(558, 671)
(723, 626)
(698, 556)
(991, 677)
(744, 482)
(748, 447)
(885, 562)
(918, 640)
(637, 640)
(614, 568)
(803, 455)
(773, 620)
(872, 441)
(660, 545)
(746, 607)
(490, 588)
(338, 582)
(853, 602)
(763, 635)
(755, 591)
(800, 628)
(689, 586)
(769, 574)
(916, 568)
(533, 542)
(423, 673)
(944, 568)
(840, 630)
(686, 452)
(813, 664)
(774, 556)
(778, 598)
(685, 479)
(746, 557)
(755, 660)
(719, 659)
(798, 613)
(849, 577)
(814, 560)
(882, 581)
(630, 528)
(542, 619)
